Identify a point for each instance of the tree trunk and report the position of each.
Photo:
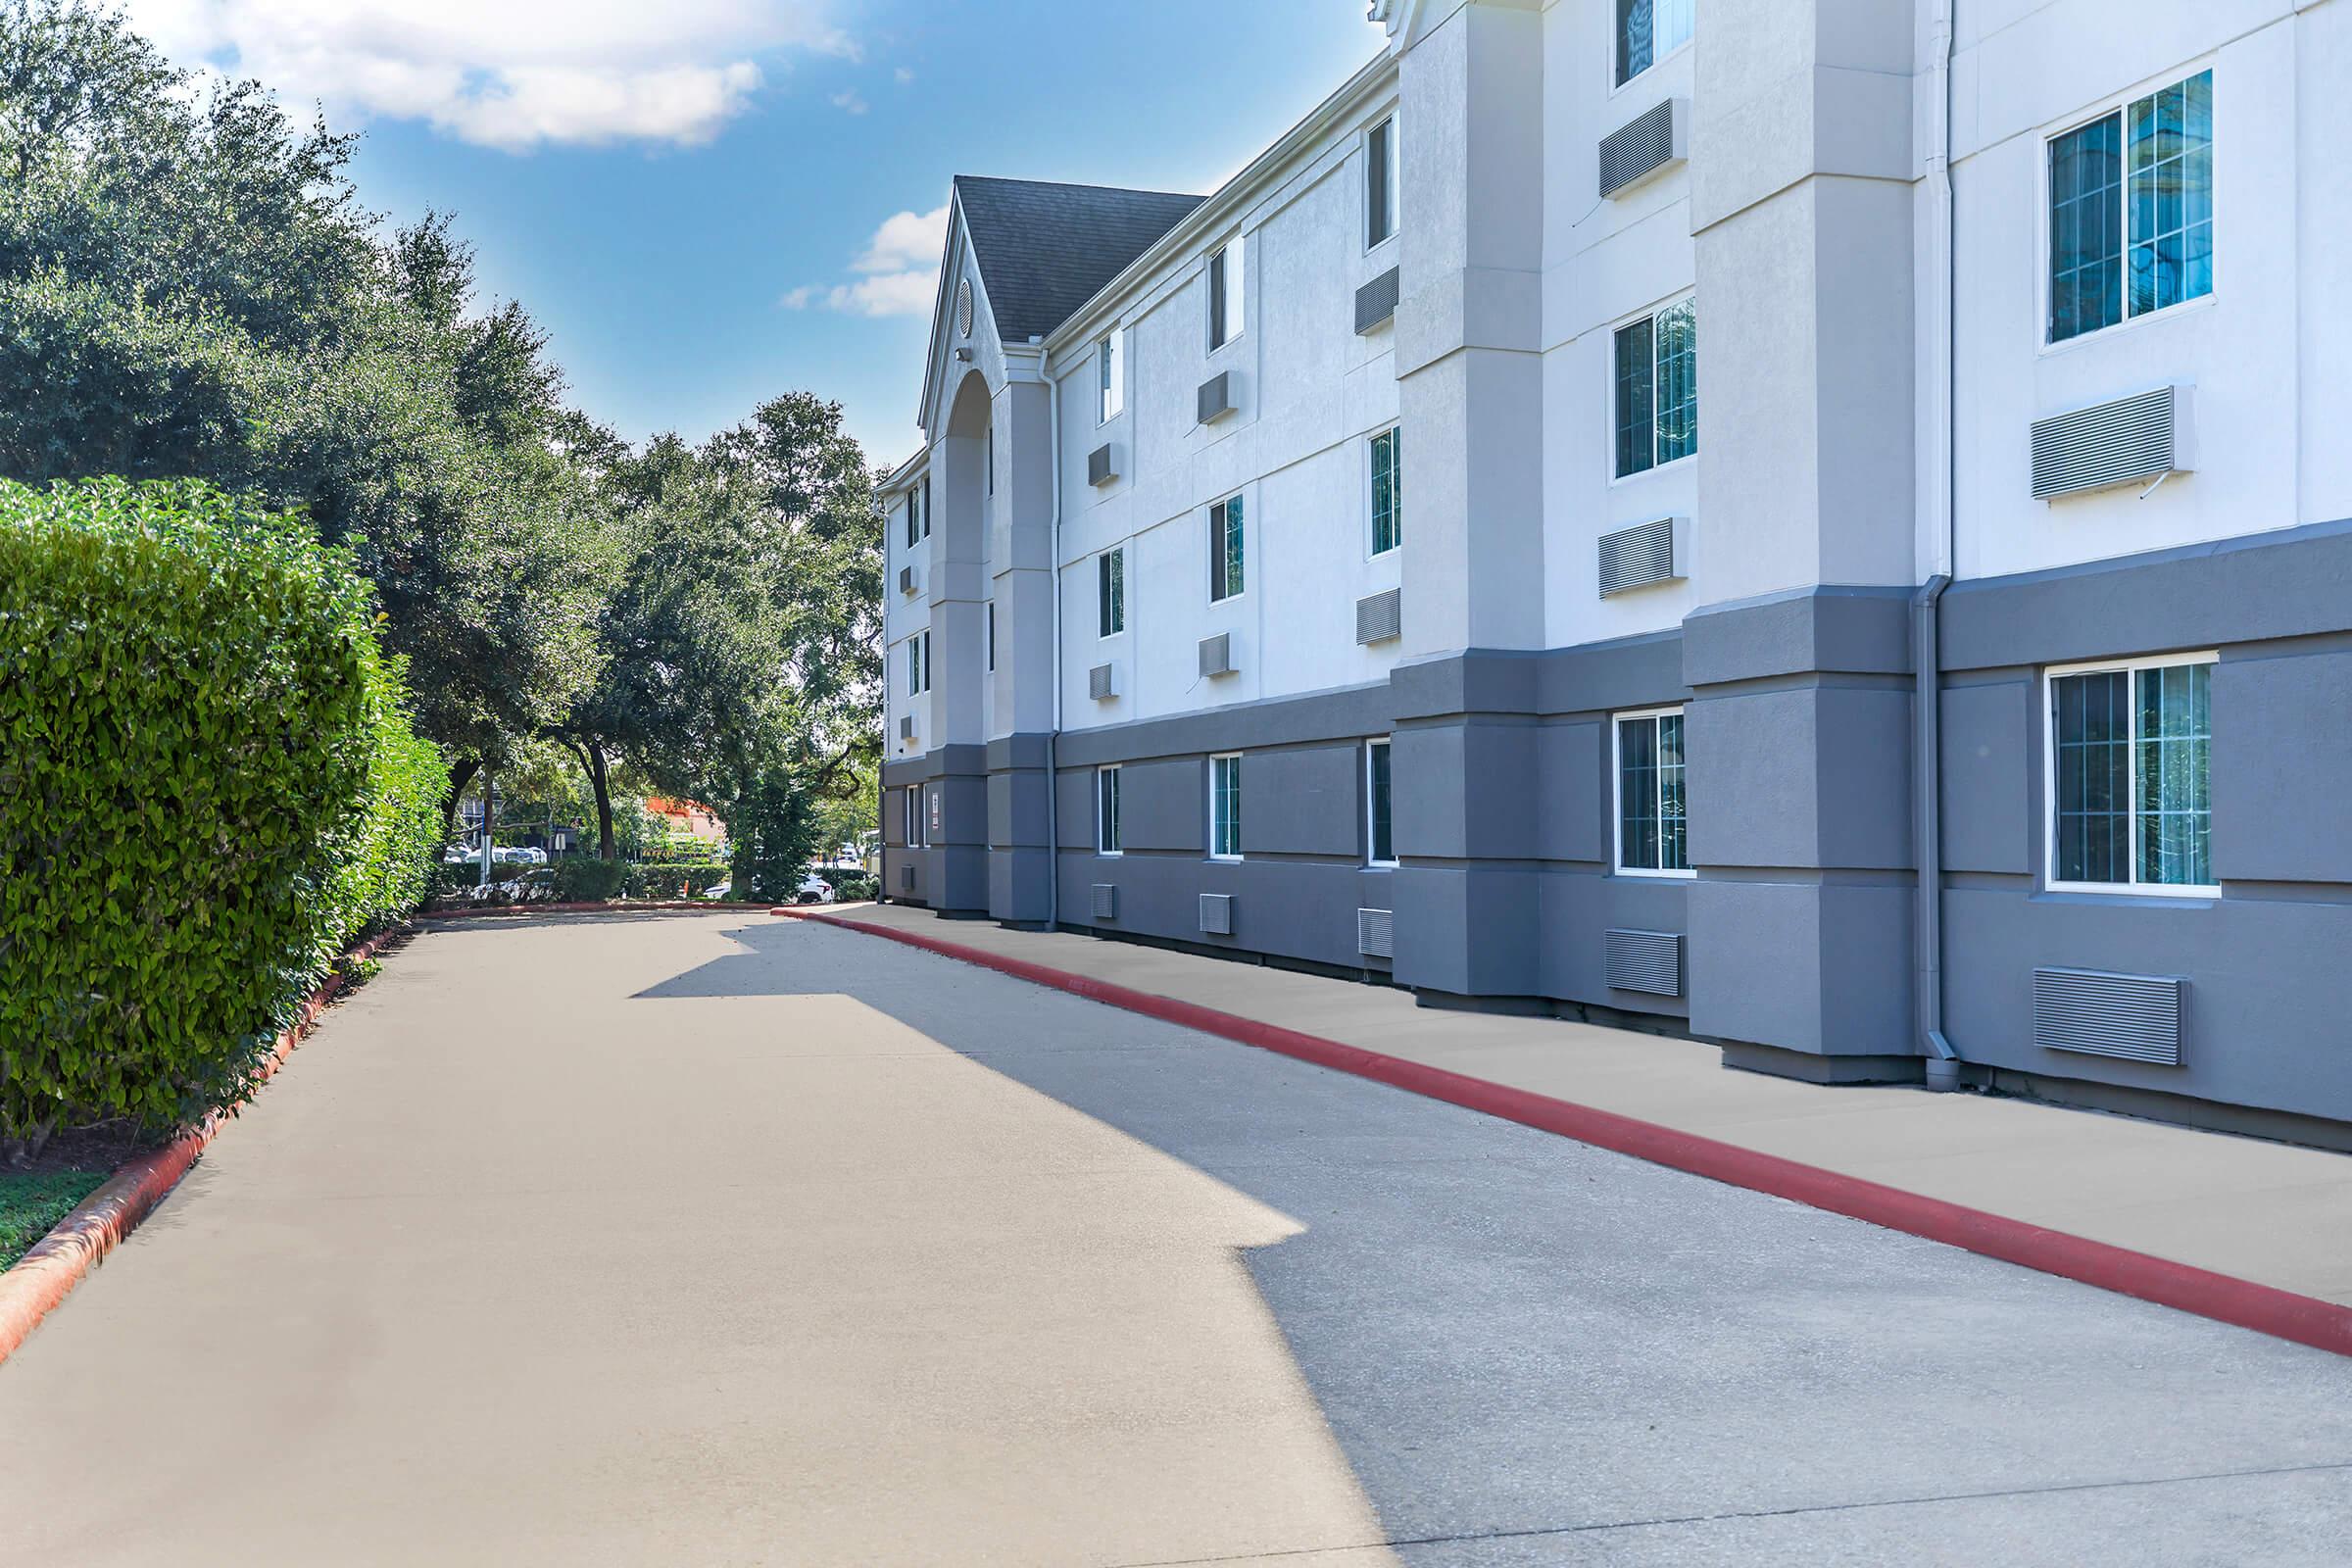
(605, 849)
(461, 775)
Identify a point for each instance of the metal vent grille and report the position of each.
(1107, 901)
(906, 580)
(1376, 933)
(1646, 960)
(1100, 467)
(1216, 913)
(1644, 146)
(905, 879)
(1376, 301)
(1216, 396)
(906, 727)
(1216, 654)
(2138, 1017)
(2138, 437)
(1099, 683)
(1644, 554)
(1378, 617)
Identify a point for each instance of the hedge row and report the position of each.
(209, 786)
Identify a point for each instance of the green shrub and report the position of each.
(664, 879)
(208, 786)
(850, 887)
(585, 879)
(773, 831)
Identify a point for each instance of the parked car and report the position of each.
(815, 890)
(718, 890)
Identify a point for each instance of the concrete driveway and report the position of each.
(717, 1239)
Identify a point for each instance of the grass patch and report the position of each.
(31, 1202)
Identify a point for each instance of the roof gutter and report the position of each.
(1219, 205)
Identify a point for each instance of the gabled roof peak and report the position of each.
(1046, 248)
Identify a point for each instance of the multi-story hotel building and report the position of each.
(1816, 523)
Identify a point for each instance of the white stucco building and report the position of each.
(1815, 522)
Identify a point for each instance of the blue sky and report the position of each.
(697, 198)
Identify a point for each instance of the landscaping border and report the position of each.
(52, 1266)
(2224, 1298)
(605, 906)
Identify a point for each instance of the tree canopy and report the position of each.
(190, 287)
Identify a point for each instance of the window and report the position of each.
(1111, 592)
(926, 507)
(1380, 182)
(1657, 389)
(1106, 811)
(1225, 294)
(1647, 32)
(2131, 804)
(1388, 520)
(1652, 826)
(915, 836)
(1226, 549)
(2131, 210)
(1225, 806)
(1380, 842)
(1110, 377)
(914, 666)
(914, 518)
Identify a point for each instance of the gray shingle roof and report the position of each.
(1045, 250)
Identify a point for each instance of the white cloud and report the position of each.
(848, 101)
(900, 268)
(508, 74)
(904, 241)
(902, 75)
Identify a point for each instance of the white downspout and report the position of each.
(1054, 735)
(1942, 1061)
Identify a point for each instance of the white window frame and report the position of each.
(2120, 103)
(1608, 56)
(2050, 677)
(925, 638)
(1110, 376)
(1215, 812)
(1617, 864)
(1608, 456)
(1100, 558)
(927, 490)
(1229, 255)
(1394, 182)
(1372, 550)
(1216, 547)
(1111, 771)
(1372, 838)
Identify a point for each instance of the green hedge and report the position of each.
(209, 786)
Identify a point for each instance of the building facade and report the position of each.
(1817, 524)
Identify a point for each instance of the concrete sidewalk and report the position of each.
(2272, 1213)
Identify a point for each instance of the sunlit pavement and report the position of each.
(717, 1239)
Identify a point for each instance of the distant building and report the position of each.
(686, 817)
(1499, 542)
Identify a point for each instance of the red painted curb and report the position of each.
(47, 1273)
(2224, 1298)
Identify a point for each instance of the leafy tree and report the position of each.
(738, 646)
(190, 287)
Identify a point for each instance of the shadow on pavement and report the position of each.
(1533, 1351)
